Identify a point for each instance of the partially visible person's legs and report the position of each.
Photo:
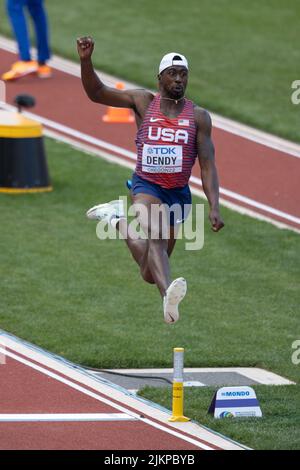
(38, 13)
(26, 66)
(15, 10)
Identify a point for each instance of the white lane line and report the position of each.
(72, 132)
(2, 356)
(132, 156)
(226, 124)
(89, 149)
(246, 211)
(64, 417)
(105, 400)
(197, 192)
(252, 202)
(2, 91)
(285, 147)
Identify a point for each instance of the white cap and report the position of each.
(173, 58)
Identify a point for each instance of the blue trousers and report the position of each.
(16, 14)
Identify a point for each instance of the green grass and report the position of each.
(66, 291)
(279, 428)
(244, 56)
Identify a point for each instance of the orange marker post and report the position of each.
(118, 115)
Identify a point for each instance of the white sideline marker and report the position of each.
(2, 91)
(2, 355)
(64, 417)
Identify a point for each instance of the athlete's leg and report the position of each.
(18, 21)
(139, 247)
(155, 259)
(39, 16)
(152, 252)
(136, 244)
(145, 270)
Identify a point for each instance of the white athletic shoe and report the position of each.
(107, 211)
(175, 293)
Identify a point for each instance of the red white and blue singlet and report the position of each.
(166, 147)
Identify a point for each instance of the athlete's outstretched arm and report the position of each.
(96, 90)
(209, 175)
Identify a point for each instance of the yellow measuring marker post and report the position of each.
(177, 397)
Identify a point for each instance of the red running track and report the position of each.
(34, 382)
(247, 168)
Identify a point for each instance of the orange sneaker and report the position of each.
(20, 69)
(44, 71)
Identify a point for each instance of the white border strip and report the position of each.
(121, 395)
(72, 133)
(228, 125)
(286, 147)
(252, 202)
(197, 192)
(64, 417)
(249, 212)
(2, 356)
(2, 91)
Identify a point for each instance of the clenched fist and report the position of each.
(215, 220)
(85, 47)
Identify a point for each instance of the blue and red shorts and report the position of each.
(178, 199)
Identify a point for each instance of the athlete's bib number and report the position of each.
(162, 158)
